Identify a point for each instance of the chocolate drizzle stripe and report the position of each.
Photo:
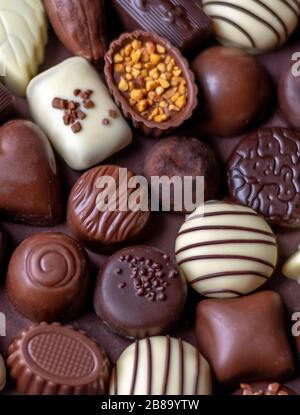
(210, 292)
(228, 274)
(167, 367)
(249, 13)
(197, 372)
(278, 18)
(222, 213)
(286, 2)
(149, 360)
(225, 227)
(135, 367)
(235, 257)
(226, 242)
(237, 26)
(181, 367)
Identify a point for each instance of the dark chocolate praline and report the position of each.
(140, 292)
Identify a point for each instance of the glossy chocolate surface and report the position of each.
(264, 388)
(164, 226)
(48, 277)
(29, 178)
(182, 22)
(289, 94)
(140, 292)
(263, 173)
(234, 91)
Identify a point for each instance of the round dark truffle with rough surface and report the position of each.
(140, 292)
(263, 173)
(234, 91)
(184, 156)
(48, 277)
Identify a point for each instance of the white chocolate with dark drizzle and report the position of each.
(226, 252)
(161, 365)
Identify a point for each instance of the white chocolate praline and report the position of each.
(2, 373)
(161, 365)
(96, 141)
(226, 250)
(23, 35)
(291, 268)
(256, 26)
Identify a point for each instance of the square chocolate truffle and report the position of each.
(244, 339)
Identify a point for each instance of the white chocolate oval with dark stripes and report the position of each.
(227, 251)
(254, 25)
(161, 365)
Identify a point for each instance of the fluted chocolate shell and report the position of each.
(153, 128)
(51, 359)
(48, 277)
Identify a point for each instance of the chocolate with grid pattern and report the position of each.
(51, 359)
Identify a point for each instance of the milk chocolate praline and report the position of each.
(150, 127)
(140, 292)
(234, 91)
(48, 277)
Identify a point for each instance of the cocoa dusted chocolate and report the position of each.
(184, 157)
(51, 359)
(151, 81)
(30, 190)
(99, 213)
(182, 22)
(48, 277)
(79, 25)
(161, 365)
(142, 281)
(228, 108)
(263, 388)
(263, 173)
(245, 339)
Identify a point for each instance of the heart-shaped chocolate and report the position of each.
(29, 184)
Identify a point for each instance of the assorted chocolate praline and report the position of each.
(224, 250)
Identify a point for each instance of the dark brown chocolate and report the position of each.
(234, 91)
(148, 125)
(79, 25)
(140, 292)
(263, 173)
(7, 104)
(48, 277)
(181, 157)
(289, 95)
(29, 182)
(263, 388)
(50, 359)
(182, 22)
(245, 339)
(96, 225)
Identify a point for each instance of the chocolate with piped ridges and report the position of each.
(245, 339)
(48, 277)
(140, 281)
(97, 223)
(29, 180)
(161, 365)
(263, 173)
(51, 359)
(182, 22)
(226, 250)
(7, 104)
(151, 127)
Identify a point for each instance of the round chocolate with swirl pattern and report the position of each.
(263, 173)
(161, 365)
(106, 207)
(140, 281)
(48, 277)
